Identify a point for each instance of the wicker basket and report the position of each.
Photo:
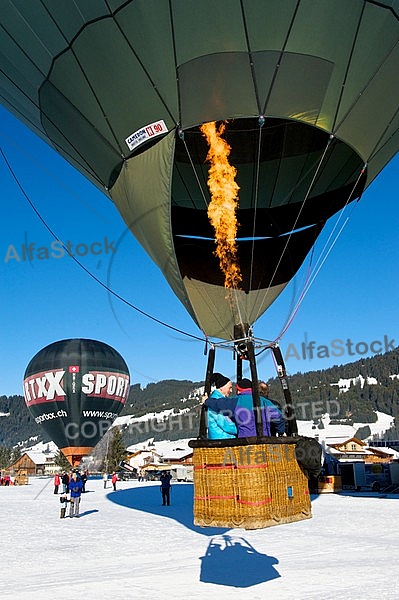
(250, 485)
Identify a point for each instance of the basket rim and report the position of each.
(246, 441)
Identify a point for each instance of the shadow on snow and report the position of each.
(229, 559)
(148, 499)
(232, 561)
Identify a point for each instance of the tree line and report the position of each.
(313, 393)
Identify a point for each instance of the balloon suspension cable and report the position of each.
(87, 271)
(49, 174)
(296, 308)
(231, 293)
(217, 155)
(180, 133)
(319, 164)
(237, 346)
(261, 121)
(327, 248)
(325, 252)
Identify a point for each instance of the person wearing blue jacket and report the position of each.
(275, 424)
(75, 489)
(220, 409)
(165, 488)
(244, 415)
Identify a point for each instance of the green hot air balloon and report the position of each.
(308, 90)
(75, 389)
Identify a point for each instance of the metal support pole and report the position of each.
(291, 426)
(240, 332)
(255, 390)
(239, 367)
(207, 390)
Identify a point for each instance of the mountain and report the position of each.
(16, 422)
(351, 392)
(170, 409)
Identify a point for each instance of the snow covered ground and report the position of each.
(127, 546)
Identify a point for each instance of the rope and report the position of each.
(261, 123)
(301, 297)
(87, 271)
(299, 214)
(327, 248)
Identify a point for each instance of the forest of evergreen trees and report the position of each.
(164, 395)
(358, 403)
(19, 424)
(313, 393)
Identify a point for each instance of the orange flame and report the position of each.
(224, 202)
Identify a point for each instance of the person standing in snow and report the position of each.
(75, 489)
(65, 481)
(114, 479)
(165, 488)
(57, 483)
(105, 479)
(83, 477)
(63, 501)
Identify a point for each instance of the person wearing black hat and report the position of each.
(220, 409)
(244, 415)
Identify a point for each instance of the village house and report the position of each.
(34, 463)
(178, 456)
(143, 458)
(150, 460)
(352, 464)
(354, 449)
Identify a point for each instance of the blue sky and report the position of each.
(354, 296)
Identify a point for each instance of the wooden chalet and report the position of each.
(34, 463)
(178, 456)
(143, 458)
(354, 449)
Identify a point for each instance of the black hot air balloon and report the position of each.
(75, 389)
(309, 92)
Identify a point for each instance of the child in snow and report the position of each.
(63, 501)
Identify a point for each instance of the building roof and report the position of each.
(338, 444)
(143, 450)
(176, 455)
(39, 458)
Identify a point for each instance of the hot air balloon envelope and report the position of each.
(75, 389)
(120, 89)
